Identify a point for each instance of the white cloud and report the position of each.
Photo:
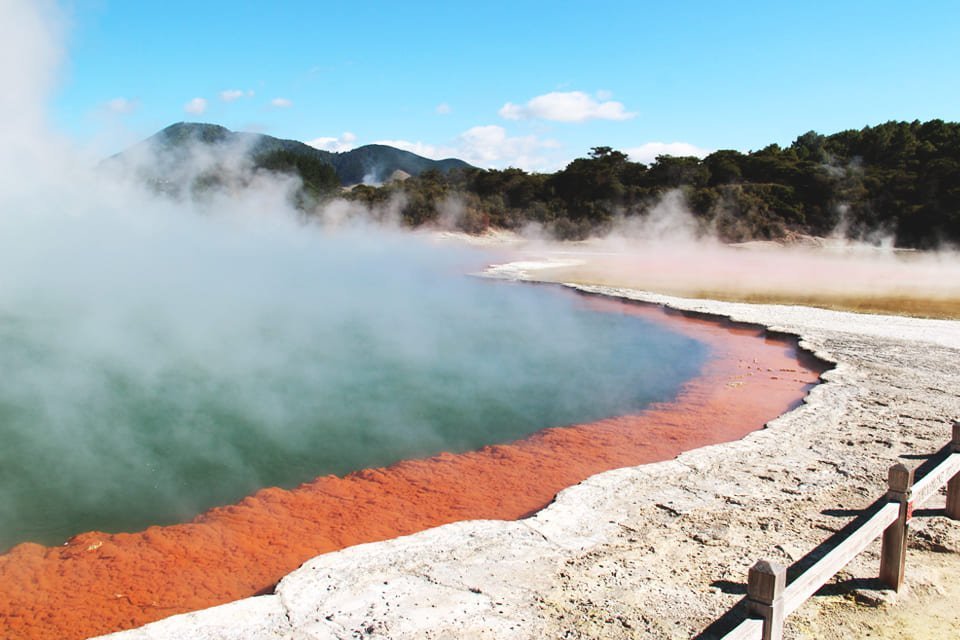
(122, 105)
(603, 94)
(648, 152)
(487, 146)
(281, 103)
(434, 152)
(230, 95)
(491, 146)
(344, 143)
(196, 106)
(569, 106)
(443, 109)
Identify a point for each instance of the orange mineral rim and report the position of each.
(98, 583)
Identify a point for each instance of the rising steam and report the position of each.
(173, 353)
(124, 315)
(669, 251)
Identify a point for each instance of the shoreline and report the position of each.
(658, 550)
(100, 582)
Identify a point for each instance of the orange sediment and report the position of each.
(98, 583)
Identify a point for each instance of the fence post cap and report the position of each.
(766, 581)
(899, 478)
(768, 566)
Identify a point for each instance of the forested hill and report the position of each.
(898, 178)
(322, 171)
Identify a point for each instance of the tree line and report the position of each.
(897, 178)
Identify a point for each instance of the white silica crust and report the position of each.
(660, 550)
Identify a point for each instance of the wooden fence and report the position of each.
(770, 600)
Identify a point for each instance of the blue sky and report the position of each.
(529, 84)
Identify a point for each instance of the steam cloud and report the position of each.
(133, 328)
(669, 250)
(213, 308)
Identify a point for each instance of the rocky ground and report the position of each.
(662, 550)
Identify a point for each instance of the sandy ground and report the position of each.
(925, 607)
(926, 610)
(662, 550)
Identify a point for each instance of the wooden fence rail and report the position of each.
(770, 600)
(749, 629)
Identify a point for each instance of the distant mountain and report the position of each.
(161, 156)
(377, 162)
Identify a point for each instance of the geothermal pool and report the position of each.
(108, 438)
(267, 393)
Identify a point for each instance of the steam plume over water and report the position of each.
(161, 357)
(181, 354)
(156, 375)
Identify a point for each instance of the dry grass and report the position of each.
(942, 308)
(946, 308)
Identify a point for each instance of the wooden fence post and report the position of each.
(953, 485)
(893, 554)
(765, 584)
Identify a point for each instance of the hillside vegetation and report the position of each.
(898, 179)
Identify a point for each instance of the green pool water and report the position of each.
(126, 402)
